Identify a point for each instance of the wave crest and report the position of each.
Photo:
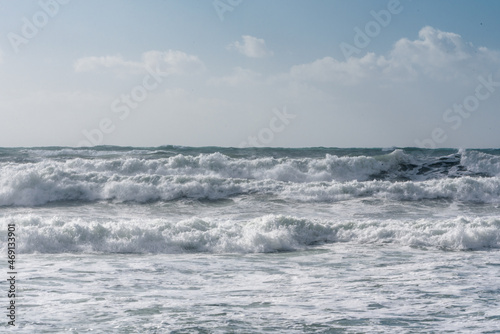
(271, 233)
(465, 176)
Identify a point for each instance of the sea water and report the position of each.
(267, 240)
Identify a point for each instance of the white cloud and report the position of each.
(1, 57)
(329, 69)
(238, 77)
(107, 62)
(438, 55)
(251, 47)
(171, 62)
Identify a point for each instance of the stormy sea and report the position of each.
(257, 240)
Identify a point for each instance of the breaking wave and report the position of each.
(270, 233)
(44, 176)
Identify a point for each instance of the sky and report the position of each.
(241, 73)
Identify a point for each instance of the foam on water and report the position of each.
(269, 233)
(179, 239)
(480, 162)
(465, 176)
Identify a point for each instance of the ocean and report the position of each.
(256, 240)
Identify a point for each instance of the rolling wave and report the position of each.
(270, 233)
(32, 177)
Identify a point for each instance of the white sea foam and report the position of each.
(465, 189)
(270, 233)
(480, 162)
(468, 176)
(389, 231)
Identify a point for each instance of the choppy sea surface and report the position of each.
(263, 240)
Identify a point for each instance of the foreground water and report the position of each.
(217, 240)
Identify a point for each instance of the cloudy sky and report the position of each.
(284, 73)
